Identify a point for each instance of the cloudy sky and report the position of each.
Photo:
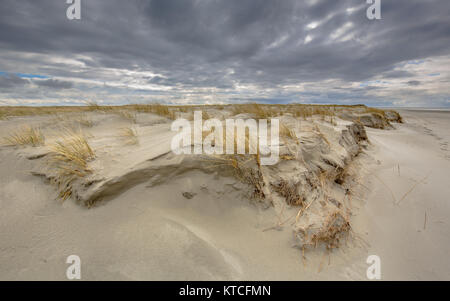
(225, 51)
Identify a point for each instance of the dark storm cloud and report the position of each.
(413, 83)
(11, 81)
(223, 44)
(397, 74)
(54, 84)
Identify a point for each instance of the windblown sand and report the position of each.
(197, 225)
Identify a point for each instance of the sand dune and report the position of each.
(160, 216)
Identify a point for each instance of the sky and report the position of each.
(225, 51)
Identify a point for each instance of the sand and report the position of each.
(412, 238)
(145, 231)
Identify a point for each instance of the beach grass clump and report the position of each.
(302, 111)
(321, 135)
(257, 110)
(286, 132)
(27, 135)
(92, 105)
(247, 172)
(82, 120)
(323, 111)
(129, 134)
(390, 115)
(290, 192)
(333, 230)
(128, 115)
(69, 157)
(375, 111)
(163, 110)
(246, 166)
(158, 109)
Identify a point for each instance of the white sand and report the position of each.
(154, 233)
(409, 247)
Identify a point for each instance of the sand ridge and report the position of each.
(215, 233)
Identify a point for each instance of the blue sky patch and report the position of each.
(24, 75)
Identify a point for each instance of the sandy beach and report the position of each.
(407, 208)
(228, 141)
(196, 225)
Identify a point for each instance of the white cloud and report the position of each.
(308, 39)
(341, 30)
(312, 25)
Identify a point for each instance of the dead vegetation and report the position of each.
(92, 105)
(260, 111)
(127, 115)
(83, 120)
(27, 135)
(333, 230)
(246, 169)
(256, 110)
(129, 135)
(289, 191)
(158, 109)
(286, 132)
(69, 158)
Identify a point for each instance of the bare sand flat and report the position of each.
(184, 222)
(406, 212)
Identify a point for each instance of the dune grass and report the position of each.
(69, 157)
(92, 105)
(256, 110)
(83, 120)
(289, 191)
(286, 132)
(246, 168)
(129, 134)
(27, 135)
(334, 229)
(158, 109)
(127, 115)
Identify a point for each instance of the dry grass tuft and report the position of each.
(92, 105)
(205, 116)
(258, 111)
(246, 168)
(130, 135)
(84, 121)
(321, 135)
(26, 136)
(335, 228)
(128, 115)
(290, 192)
(302, 111)
(286, 132)
(70, 156)
(163, 110)
(158, 109)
